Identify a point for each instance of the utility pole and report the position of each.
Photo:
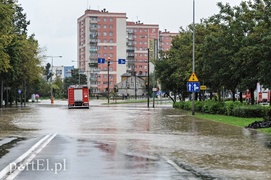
(108, 66)
(193, 67)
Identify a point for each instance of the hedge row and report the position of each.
(229, 108)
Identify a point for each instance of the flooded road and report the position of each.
(134, 142)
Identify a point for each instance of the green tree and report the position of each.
(19, 61)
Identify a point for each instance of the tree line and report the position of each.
(232, 51)
(19, 61)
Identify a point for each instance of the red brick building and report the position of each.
(108, 35)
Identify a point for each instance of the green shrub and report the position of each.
(267, 113)
(213, 107)
(230, 105)
(228, 108)
(198, 106)
(248, 111)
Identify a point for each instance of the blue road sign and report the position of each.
(101, 60)
(121, 61)
(193, 86)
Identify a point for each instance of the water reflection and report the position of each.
(219, 149)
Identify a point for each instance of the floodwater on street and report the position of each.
(206, 149)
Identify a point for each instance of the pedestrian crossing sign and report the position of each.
(193, 78)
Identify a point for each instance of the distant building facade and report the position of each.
(108, 35)
(62, 71)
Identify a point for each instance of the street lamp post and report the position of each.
(148, 77)
(108, 65)
(51, 80)
(193, 63)
(135, 84)
(79, 70)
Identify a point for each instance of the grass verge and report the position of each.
(235, 121)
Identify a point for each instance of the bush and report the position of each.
(213, 107)
(248, 111)
(228, 108)
(183, 105)
(198, 106)
(230, 105)
(267, 114)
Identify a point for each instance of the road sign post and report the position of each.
(193, 85)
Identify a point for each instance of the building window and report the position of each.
(105, 26)
(111, 19)
(105, 41)
(110, 33)
(105, 33)
(110, 26)
(111, 41)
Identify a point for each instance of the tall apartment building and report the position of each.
(140, 36)
(165, 40)
(103, 34)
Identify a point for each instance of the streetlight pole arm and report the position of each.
(52, 57)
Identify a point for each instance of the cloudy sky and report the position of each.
(54, 22)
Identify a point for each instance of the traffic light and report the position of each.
(147, 86)
(108, 61)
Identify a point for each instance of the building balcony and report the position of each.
(93, 28)
(130, 38)
(93, 21)
(93, 50)
(93, 85)
(130, 49)
(93, 79)
(93, 36)
(130, 55)
(93, 59)
(93, 41)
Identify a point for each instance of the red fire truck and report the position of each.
(78, 97)
(260, 97)
(264, 97)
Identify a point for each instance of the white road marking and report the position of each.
(27, 157)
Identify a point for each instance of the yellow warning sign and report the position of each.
(193, 78)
